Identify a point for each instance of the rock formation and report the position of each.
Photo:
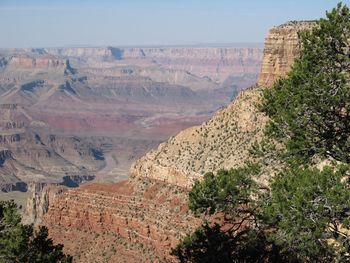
(145, 212)
(224, 141)
(150, 210)
(282, 46)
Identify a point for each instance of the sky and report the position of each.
(60, 23)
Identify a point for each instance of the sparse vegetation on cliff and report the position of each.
(303, 216)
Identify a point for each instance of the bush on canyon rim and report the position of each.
(304, 215)
(20, 243)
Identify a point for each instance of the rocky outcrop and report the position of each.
(282, 46)
(38, 202)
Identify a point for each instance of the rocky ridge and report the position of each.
(145, 212)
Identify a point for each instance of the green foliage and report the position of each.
(20, 243)
(225, 192)
(307, 207)
(207, 244)
(210, 243)
(310, 109)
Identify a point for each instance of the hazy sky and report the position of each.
(39, 23)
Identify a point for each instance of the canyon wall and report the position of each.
(147, 212)
(215, 63)
(150, 209)
(35, 63)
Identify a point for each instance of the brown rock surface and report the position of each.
(24, 61)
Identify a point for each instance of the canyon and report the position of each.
(70, 115)
(142, 218)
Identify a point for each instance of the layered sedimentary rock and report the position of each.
(162, 175)
(35, 156)
(225, 140)
(145, 212)
(282, 46)
(215, 63)
(29, 62)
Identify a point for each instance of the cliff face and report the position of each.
(144, 212)
(151, 207)
(282, 46)
(131, 93)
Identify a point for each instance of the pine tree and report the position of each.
(20, 243)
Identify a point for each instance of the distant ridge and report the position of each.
(200, 45)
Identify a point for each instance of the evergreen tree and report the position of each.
(20, 243)
(308, 208)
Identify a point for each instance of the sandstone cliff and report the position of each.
(282, 46)
(150, 209)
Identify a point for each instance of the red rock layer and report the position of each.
(144, 213)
